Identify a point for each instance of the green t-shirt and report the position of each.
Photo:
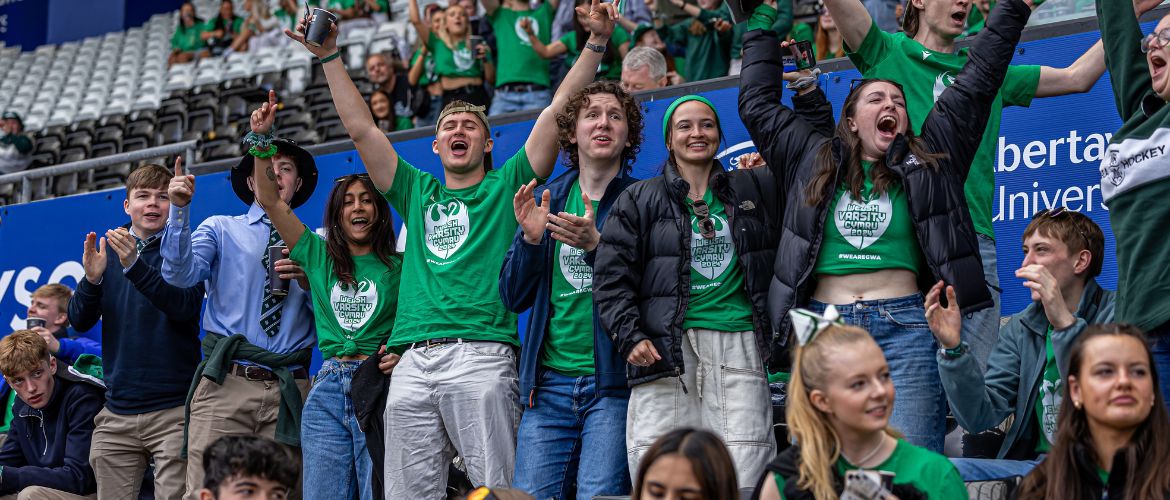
(460, 62)
(1048, 401)
(870, 234)
(718, 300)
(930, 473)
(606, 70)
(340, 4)
(7, 402)
(707, 55)
(517, 62)
(455, 245)
(924, 74)
(569, 346)
(428, 75)
(237, 23)
(350, 320)
(187, 39)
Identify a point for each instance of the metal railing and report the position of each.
(42, 175)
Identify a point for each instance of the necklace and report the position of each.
(860, 464)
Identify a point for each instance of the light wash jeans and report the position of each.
(572, 437)
(508, 102)
(981, 330)
(447, 399)
(899, 327)
(337, 465)
(726, 393)
(990, 469)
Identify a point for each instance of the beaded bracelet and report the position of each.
(328, 58)
(268, 152)
(260, 140)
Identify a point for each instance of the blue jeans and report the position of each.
(989, 469)
(1160, 350)
(899, 327)
(572, 437)
(508, 102)
(981, 329)
(337, 465)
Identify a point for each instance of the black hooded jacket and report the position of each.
(935, 196)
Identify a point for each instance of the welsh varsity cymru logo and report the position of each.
(446, 227)
(353, 306)
(1113, 170)
(523, 35)
(571, 260)
(710, 257)
(463, 57)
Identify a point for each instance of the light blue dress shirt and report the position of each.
(225, 252)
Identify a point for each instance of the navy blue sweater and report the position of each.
(150, 333)
(526, 281)
(50, 447)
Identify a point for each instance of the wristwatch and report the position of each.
(955, 352)
(600, 49)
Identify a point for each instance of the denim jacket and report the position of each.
(526, 282)
(981, 401)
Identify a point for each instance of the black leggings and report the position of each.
(473, 94)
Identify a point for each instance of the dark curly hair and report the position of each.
(567, 122)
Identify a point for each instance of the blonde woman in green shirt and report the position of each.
(839, 403)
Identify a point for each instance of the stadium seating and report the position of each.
(114, 93)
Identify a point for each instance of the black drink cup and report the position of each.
(276, 284)
(31, 323)
(320, 21)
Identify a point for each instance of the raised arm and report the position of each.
(376, 151)
(852, 20)
(416, 20)
(782, 136)
(549, 51)
(85, 307)
(419, 66)
(283, 219)
(542, 147)
(956, 123)
(1077, 78)
(186, 256)
(1122, 35)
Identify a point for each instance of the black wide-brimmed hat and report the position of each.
(306, 170)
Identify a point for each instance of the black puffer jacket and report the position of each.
(935, 196)
(642, 271)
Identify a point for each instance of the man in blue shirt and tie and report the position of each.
(258, 346)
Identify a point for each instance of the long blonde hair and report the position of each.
(820, 446)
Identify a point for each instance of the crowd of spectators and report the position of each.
(663, 313)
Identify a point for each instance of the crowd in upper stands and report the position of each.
(848, 267)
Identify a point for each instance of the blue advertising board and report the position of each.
(22, 22)
(1048, 156)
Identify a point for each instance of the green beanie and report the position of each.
(674, 105)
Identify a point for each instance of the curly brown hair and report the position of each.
(567, 122)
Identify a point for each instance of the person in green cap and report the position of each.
(680, 282)
(875, 213)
